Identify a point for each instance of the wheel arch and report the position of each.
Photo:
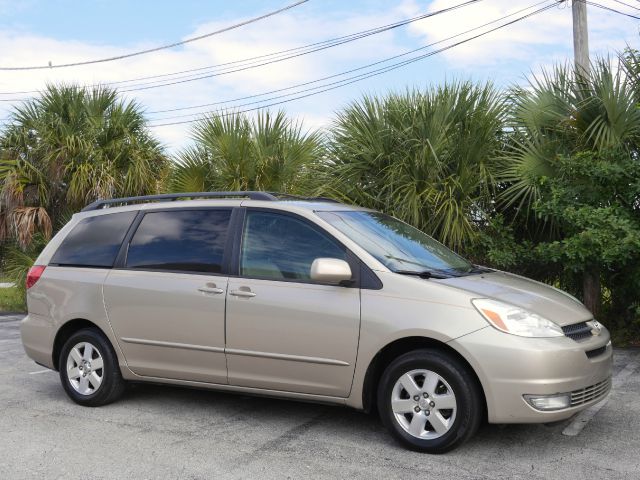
(399, 347)
(68, 329)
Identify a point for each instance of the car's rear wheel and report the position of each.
(89, 369)
(429, 401)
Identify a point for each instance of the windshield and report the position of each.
(397, 245)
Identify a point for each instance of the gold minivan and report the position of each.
(306, 299)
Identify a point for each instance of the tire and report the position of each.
(431, 377)
(89, 369)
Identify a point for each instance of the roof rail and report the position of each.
(168, 197)
(303, 198)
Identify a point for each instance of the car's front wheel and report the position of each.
(89, 369)
(429, 401)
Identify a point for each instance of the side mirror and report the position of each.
(330, 270)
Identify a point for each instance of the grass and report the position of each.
(12, 300)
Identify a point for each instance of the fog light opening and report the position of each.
(547, 403)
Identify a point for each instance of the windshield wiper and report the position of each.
(479, 269)
(423, 274)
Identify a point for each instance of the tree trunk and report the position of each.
(591, 290)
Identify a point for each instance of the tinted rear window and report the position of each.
(185, 240)
(94, 241)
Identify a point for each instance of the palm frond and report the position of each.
(560, 114)
(71, 145)
(24, 222)
(428, 157)
(233, 152)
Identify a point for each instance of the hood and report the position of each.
(536, 297)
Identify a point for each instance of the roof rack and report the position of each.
(289, 196)
(168, 197)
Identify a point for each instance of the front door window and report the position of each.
(282, 247)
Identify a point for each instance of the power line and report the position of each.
(374, 72)
(191, 78)
(333, 42)
(610, 9)
(361, 77)
(269, 62)
(162, 47)
(252, 60)
(304, 84)
(626, 4)
(133, 88)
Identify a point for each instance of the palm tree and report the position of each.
(558, 115)
(233, 152)
(425, 157)
(68, 147)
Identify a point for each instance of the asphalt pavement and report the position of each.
(169, 432)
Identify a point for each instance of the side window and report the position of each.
(94, 241)
(181, 240)
(281, 247)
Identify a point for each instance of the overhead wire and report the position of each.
(367, 32)
(372, 73)
(626, 4)
(604, 7)
(347, 80)
(343, 82)
(251, 60)
(329, 77)
(162, 47)
(269, 62)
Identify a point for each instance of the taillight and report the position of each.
(34, 275)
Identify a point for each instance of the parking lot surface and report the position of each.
(169, 432)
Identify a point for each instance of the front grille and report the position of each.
(587, 394)
(596, 352)
(577, 331)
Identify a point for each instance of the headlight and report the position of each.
(514, 320)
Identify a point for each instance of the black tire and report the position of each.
(112, 385)
(468, 398)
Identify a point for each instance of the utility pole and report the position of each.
(580, 36)
(591, 278)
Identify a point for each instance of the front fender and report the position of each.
(409, 307)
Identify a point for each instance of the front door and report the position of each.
(167, 304)
(285, 332)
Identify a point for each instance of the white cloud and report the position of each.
(538, 40)
(278, 33)
(532, 40)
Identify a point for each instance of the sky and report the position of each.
(36, 32)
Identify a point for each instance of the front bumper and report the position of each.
(510, 367)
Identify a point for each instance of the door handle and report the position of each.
(242, 292)
(210, 288)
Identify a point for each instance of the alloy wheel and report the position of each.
(423, 404)
(85, 368)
